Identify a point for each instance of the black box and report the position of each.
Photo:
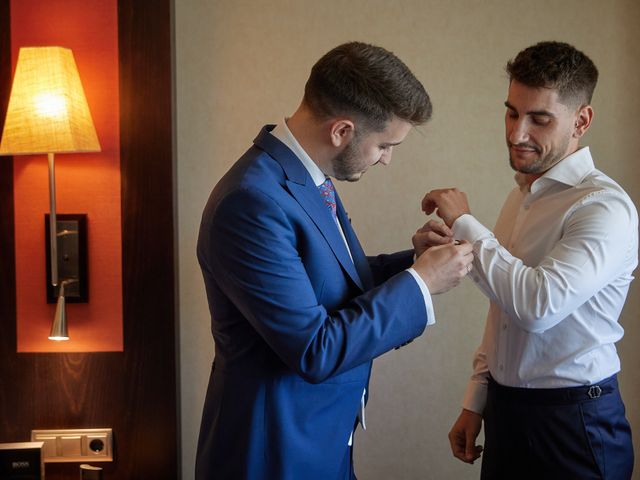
(21, 461)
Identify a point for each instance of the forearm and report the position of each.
(585, 259)
(317, 343)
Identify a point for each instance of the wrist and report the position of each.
(449, 221)
(452, 219)
(468, 412)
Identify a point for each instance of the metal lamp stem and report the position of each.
(53, 223)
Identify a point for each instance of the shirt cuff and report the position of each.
(466, 227)
(475, 397)
(428, 303)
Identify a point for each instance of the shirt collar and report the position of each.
(570, 171)
(282, 133)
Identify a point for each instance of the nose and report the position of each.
(517, 131)
(385, 159)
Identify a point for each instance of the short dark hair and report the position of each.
(559, 66)
(368, 82)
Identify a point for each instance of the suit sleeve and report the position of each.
(385, 266)
(250, 247)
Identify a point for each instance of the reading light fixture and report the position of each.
(48, 113)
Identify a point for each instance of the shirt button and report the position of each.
(501, 367)
(504, 326)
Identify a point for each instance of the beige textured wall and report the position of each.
(241, 64)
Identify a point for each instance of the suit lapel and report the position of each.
(311, 201)
(359, 257)
(306, 194)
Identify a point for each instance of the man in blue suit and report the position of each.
(298, 311)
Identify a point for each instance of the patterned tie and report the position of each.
(328, 195)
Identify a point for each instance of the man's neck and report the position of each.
(308, 132)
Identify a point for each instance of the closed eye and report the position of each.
(541, 120)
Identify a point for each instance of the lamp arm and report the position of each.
(53, 222)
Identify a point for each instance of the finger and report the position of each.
(439, 227)
(428, 205)
(430, 201)
(433, 238)
(477, 454)
(465, 248)
(457, 446)
(458, 452)
(469, 455)
(470, 447)
(433, 226)
(468, 259)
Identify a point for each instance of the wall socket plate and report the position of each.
(75, 445)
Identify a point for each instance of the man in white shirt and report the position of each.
(557, 270)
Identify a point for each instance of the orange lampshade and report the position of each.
(48, 111)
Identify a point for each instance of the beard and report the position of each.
(347, 164)
(543, 162)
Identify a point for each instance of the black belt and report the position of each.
(554, 395)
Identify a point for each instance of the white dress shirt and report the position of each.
(557, 273)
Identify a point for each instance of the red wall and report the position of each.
(85, 183)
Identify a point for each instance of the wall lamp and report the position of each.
(48, 113)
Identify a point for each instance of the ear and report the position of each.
(342, 131)
(583, 121)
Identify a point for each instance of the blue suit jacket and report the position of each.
(296, 322)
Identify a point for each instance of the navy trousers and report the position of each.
(576, 433)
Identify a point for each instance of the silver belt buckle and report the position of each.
(594, 391)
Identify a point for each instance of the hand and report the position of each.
(429, 235)
(463, 436)
(450, 204)
(443, 266)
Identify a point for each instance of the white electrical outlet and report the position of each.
(75, 445)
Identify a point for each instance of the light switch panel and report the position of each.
(71, 445)
(76, 445)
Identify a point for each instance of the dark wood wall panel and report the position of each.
(134, 392)
(146, 155)
(9, 377)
